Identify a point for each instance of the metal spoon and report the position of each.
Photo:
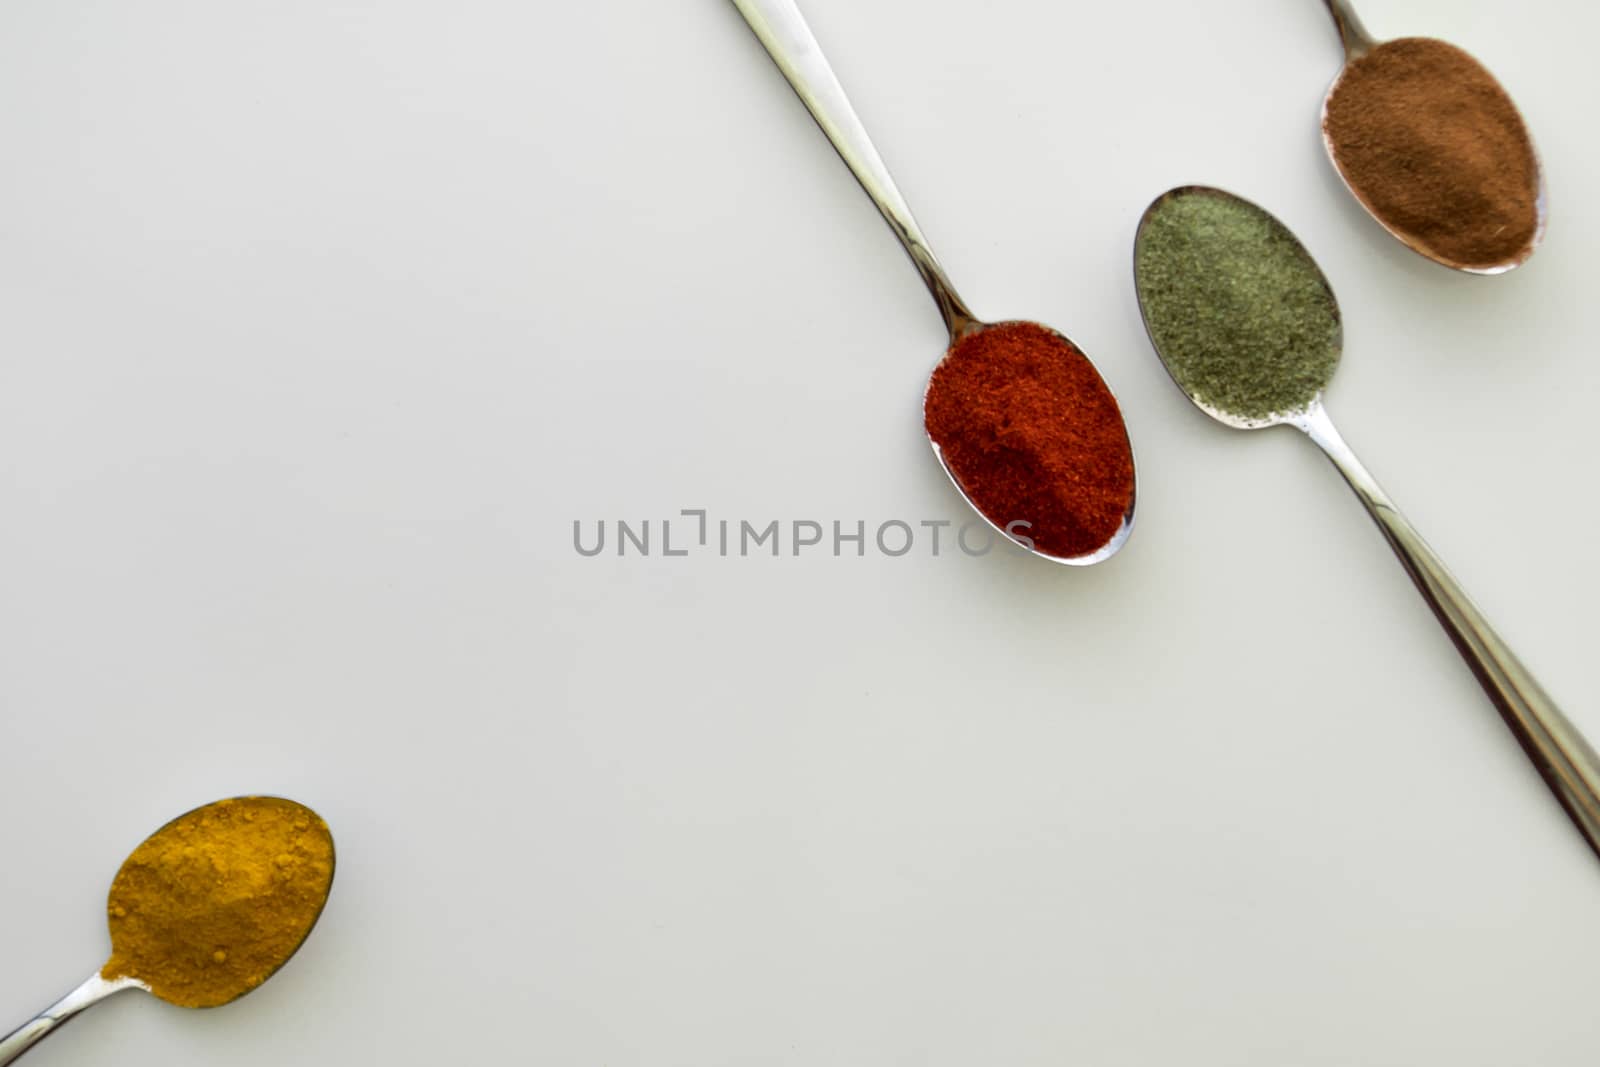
(1558, 750)
(787, 38)
(1358, 43)
(98, 987)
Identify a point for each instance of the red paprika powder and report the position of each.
(1033, 435)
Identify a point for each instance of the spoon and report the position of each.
(132, 966)
(783, 31)
(1563, 758)
(1358, 44)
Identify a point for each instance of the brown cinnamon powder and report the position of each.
(1436, 149)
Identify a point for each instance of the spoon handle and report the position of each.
(1357, 41)
(782, 30)
(46, 1022)
(1563, 758)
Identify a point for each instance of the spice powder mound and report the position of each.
(1032, 434)
(1236, 307)
(1435, 147)
(217, 900)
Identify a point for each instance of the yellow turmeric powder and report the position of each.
(217, 900)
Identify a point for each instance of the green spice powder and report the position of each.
(1237, 309)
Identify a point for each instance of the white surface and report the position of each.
(321, 322)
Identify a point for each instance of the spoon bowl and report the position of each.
(1361, 47)
(1110, 531)
(1203, 362)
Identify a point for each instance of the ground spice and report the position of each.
(1032, 434)
(1434, 146)
(217, 900)
(1236, 307)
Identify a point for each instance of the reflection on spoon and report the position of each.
(1070, 474)
(206, 909)
(1434, 149)
(1186, 243)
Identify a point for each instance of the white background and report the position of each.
(322, 320)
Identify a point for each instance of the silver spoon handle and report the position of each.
(1357, 41)
(782, 30)
(46, 1022)
(1563, 758)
